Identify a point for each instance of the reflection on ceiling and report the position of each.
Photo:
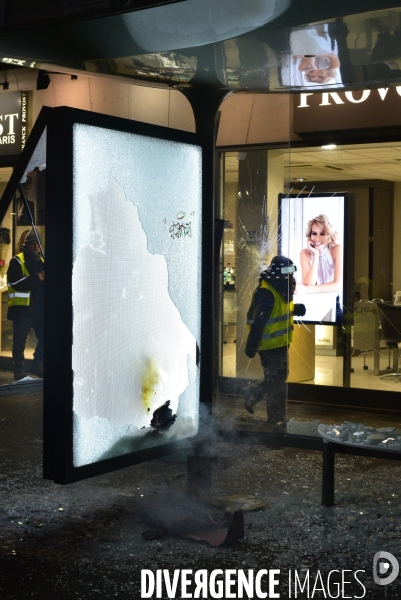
(252, 45)
(362, 161)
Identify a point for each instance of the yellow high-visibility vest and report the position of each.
(279, 329)
(16, 298)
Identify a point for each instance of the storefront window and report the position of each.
(268, 199)
(253, 184)
(22, 361)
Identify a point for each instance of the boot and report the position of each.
(37, 369)
(19, 373)
(249, 402)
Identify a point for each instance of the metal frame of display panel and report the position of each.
(58, 378)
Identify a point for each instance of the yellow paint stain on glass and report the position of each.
(150, 379)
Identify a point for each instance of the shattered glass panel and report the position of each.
(136, 292)
(38, 158)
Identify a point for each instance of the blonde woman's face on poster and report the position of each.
(317, 238)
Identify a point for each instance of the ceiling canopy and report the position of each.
(233, 45)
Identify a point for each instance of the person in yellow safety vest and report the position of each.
(270, 323)
(25, 278)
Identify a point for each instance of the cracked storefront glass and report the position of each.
(275, 202)
(253, 184)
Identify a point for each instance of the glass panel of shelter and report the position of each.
(14, 229)
(252, 222)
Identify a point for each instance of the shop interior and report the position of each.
(371, 175)
(15, 224)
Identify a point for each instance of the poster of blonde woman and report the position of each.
(311, 234)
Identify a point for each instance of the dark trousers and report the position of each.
(273, 388)
(22, 325)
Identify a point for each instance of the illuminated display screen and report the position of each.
(312, 236)
(136, 291)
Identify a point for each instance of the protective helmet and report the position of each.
(280, 268)
(31, 237)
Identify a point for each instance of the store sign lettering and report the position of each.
(9, 132)
(18, 62)
(330, 98)
(23, 119)
(13, 122)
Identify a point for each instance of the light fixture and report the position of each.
(5, 85)
(329, 147)
(300, 179)
(43, 80)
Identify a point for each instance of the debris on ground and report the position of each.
(182, 514)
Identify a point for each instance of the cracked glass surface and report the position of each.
(38, 158)
(349, 354)
(136, 290)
